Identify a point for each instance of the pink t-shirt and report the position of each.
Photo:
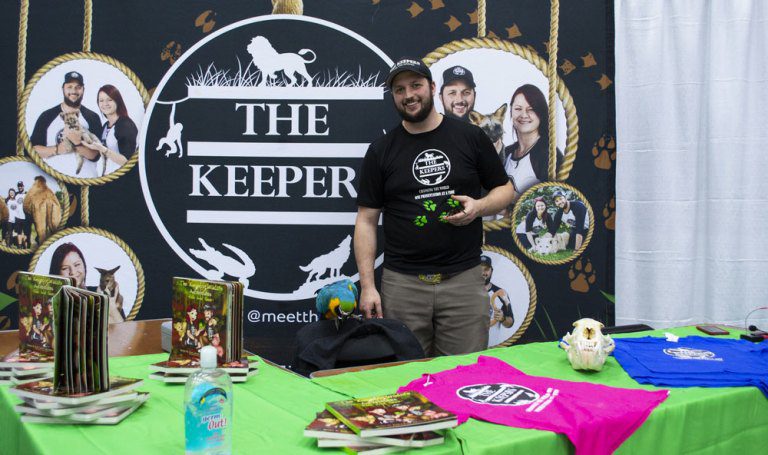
(596, 418)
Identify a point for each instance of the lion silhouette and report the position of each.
(269, 62)
(44, 208)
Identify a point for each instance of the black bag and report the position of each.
(321, 346)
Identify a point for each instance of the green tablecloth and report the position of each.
(692, 420)
(272, 409)
(270, 413)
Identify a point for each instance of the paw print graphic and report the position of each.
(205, 21)
(429, 205)
(582, 275)
(453, 203)
(442, 217)
(420, 220)
(604, 152)
(609, 213)
(171, 52)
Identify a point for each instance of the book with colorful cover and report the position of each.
(44, 391)
(202, 315)
(58, 409)
(398, 413)
(331, 432)
(114, 417)
(35, 292)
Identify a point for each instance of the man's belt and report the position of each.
(434, 278)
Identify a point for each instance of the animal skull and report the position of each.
(587, 347)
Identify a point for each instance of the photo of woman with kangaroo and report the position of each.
(96, 263)
(552, 222)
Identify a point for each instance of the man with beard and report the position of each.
(458, 92)
(575, 215)
(50, 128)
(426, 176)
(501, 316)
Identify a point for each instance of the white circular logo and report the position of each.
(252, 148)
(498, 394)
(690, 354)
(459, 71)
(431, 167)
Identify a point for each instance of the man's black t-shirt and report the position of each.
(412, 177)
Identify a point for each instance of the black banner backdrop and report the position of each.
(251, 128)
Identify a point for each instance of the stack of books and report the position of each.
(42, 404)
(205, 313)
(33, 360)
(81, 389)
(381, 424)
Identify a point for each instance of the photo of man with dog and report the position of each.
(92, 131)
(418, 176)
(552, 222)
(31, 208)
(62, 129)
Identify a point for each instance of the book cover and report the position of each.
(326, 428)
(44, 391)
(398, 413)
(57, 409)
(199, 310)
(36, 312)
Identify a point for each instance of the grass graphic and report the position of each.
(250, 76)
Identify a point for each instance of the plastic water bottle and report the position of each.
(208, 408)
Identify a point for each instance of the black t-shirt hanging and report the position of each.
(412, 177)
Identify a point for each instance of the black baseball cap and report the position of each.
(408, 64)
(458, 73)
(73, 76)
(559, 194)
(485, 260)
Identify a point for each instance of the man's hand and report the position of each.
(370, 304)
(469, 211)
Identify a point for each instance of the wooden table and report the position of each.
(125, 338)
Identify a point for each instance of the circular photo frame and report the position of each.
(552, 223)
(96, 259)
(96, 140)
(508, 100)
(511, 296)
(30, 216)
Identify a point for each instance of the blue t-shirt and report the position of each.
(694, 361)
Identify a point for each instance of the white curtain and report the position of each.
(692, 175)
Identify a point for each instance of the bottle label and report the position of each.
(205, 423)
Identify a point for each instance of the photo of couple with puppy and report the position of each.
(92, 129)
(551, 223)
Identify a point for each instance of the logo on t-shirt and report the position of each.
(498, 394)
(692, 354)
(431, 167)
